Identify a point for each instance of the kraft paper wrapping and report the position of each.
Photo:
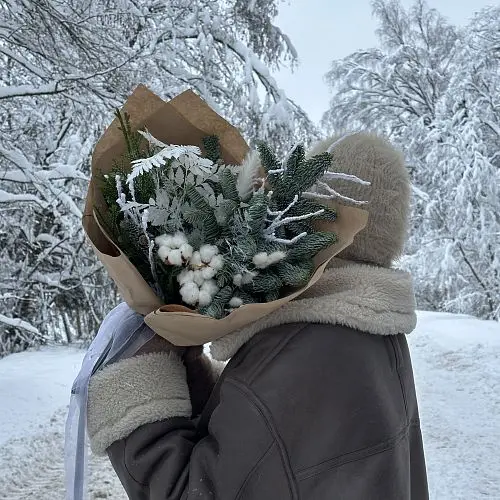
(186, 120)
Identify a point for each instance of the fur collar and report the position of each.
(371, 299)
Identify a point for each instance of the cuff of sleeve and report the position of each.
(134, 392)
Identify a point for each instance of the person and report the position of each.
(318, 399)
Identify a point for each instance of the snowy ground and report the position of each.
(457, 368)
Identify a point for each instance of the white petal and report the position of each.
(204, 299)
(235, 302)
(208, 272)
(198, 278)
(217, 262)
(261, 260)
(207, 252)
(175, 257)
(164, 252)
(190, 293)
(186, 250)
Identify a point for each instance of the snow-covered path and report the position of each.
(457, 370)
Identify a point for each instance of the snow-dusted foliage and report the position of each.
(434, 90)
(64, 66)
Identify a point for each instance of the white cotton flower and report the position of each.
(175, 257)
(164, 240)
(198, 278)
(235, 302)
(186, 276)
(217, 262)
(276, 257)
(195, 260)
(210, 286)
(207, 253)
(237, 279)
(164, 252)
(190, 293)
(261, 260)
(204, 299)
(178, 240)
(186, 251)
(208, 272)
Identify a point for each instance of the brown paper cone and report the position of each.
(188, 328)
(186, 120)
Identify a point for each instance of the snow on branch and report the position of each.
(19, 323)
(29, 90)
(6, 197)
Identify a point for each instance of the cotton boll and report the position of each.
(210, 286)
(237, 279)
(196, 259)
(217, 262)
(208, 272)
(186, 276)
(175, 257)
(164, 240)
(190, 293)
(164, 252)
(235, 302)
(276, 257)
(204, 299)
(198, 278)
(207, 253)
(186, 251)
(179, 239)
(261, 260)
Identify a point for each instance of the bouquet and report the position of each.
(215, 237)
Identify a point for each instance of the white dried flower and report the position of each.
(207, 253)
(186, 276)
(276, 257)
(164, 252)
(175, 257)
(190, 293)
(210, 286)
(208, 272)
(198, 278)
(217, 262)
(186, 251)
(164, 240)
(204, 299)
(235, 302)
(261, 260)
(178, 240)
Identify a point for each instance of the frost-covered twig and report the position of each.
(346, 177)
(291, 241)
(331, 194)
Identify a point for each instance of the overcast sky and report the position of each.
(324, 30)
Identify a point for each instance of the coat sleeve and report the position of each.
(140, 413)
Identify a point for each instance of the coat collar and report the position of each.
(367, 298)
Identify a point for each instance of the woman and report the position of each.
(317, 400)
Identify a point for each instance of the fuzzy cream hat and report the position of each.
(375, 160)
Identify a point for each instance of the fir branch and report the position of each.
(212, 148)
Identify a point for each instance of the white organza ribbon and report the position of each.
(122, 333)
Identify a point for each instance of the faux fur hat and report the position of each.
(375, 160)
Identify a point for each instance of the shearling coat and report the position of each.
(317, 402)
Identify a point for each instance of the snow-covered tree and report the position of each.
(433, 90)
(64, 66)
